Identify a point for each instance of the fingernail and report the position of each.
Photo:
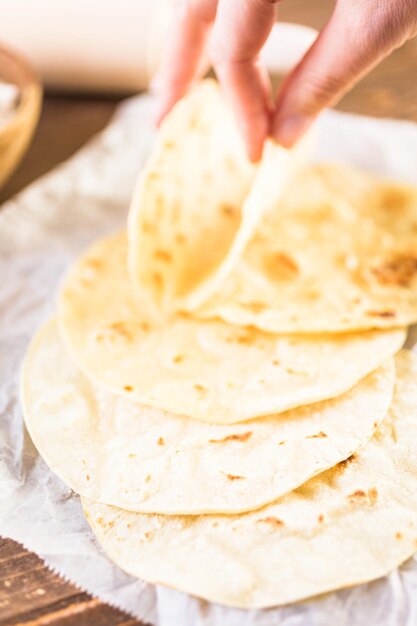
(254, 152)
(289, 129)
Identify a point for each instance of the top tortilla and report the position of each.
(186, 211)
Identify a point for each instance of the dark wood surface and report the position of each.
(31, 595)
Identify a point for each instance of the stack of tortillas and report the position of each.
(224, 386)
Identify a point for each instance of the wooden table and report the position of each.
(30, 595)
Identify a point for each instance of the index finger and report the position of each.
(240, 30)
(183, 53)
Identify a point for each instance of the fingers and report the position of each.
(239, 32)
(183, 54)
(358, 35)
(240, 29)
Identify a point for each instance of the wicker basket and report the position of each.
(16, 134)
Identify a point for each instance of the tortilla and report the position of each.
(142, 459)
(193, 210)
(209, 371)
(187, 208)
(337, 252)
(349, 525)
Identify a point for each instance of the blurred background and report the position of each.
(90, 54)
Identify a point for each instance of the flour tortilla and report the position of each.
(193, 210)
(349, 525)
(209, 371)
(142, 459)
(187, 208)
(337, 252)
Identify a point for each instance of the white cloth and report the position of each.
(41, 231)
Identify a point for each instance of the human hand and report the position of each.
(358, 35)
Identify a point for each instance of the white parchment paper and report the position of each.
(41, 231)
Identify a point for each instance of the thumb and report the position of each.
(358, 35)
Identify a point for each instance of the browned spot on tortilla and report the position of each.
(176, 213)
(312, 293)
(200, 388)
(161, 441)
(245, 336)
(95, 264)
(144, 326)
(280, 266)
(254, 306)
(383, 314)
(393, 199)
(132, 456)
(276, 362)
(234, 477)
(343, 464)
(158, 279)
(215, 524)
(290, 370)
(87, 476)
(238, 437)
(148, 534)
(114, 332)
(281, 443)
(274, 522)
(320, 518)
(398, 535)
(148, 478)
(318, 435)
(148, 227)
(120, 329)
(169, 145)
(178, 358)
(128, 388)
(163, 255)
(180, 238)
(357, 495)
(399, 270)
(373, 495)
(100, 521)
(228, 210)
(159, 206)
(184, 315)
